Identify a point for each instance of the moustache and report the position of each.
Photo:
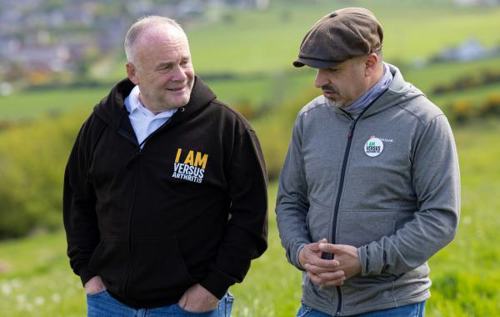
(329, 88)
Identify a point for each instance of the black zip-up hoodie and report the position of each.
(189, 207)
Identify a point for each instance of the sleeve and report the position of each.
(246, 232)
(436, 182)
(292, 203)
(80, 221)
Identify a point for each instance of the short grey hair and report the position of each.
(138, 28)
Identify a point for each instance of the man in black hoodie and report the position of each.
(165, 189)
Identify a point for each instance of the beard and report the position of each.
(332, 94)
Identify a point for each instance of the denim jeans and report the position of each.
(412, 310)
(103, 304)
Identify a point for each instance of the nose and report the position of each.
(321, 78)
(179, 73)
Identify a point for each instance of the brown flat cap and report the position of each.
(338, 36)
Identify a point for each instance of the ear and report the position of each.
(132, 73)
(372, 64)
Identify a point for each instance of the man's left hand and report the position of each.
(346, 255)
(198, 299)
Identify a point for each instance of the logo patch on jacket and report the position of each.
(190, 165)
(374, 147)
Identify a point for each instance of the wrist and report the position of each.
(94, 285)
(300, 259)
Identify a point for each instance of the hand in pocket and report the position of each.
(94, 286)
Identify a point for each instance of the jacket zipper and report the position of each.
(337, 202)
(341, 187)
(124, 133)
(136, 156)
(132, 205)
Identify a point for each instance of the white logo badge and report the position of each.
(374, 146)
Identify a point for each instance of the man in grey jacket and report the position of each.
(370, 187)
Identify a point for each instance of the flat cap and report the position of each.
(339, 36)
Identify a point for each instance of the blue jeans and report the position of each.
(412, 310)
(103, 304)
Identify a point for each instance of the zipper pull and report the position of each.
(351, 129)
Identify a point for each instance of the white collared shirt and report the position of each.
(143, 120)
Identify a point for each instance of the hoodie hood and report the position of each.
(111, 108)
(399, 92)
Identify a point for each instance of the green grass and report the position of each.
(31, 104)
(255, 89)
(37, 280)
(476, 96)
(426, 78)
(266, 42)
(270, 89)
(466, 274)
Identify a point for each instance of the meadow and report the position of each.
(256, 49)
(37, 281)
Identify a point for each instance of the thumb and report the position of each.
(315, 245)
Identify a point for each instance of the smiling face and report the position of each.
(162, 68)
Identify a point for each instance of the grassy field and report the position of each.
(254, 89)
(445, 73)
(269, 41)
(259, 46)
(35, 279)
(30, 105)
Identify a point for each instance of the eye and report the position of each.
(164, 67)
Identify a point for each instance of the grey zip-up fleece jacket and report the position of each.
(387, 183)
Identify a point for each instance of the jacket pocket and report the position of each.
(109, 261)
(358, 228)
(321, 296)
(318, 220)
(158, 270)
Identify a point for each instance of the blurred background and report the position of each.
(59, 58)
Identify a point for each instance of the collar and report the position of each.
(369, 96)
(111, 108)
(133, 104)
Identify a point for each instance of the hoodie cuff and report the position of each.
(86, 275)
(296, 257)
(293, 251)
(371, 264)
(217, 283)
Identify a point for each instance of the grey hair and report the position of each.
(138, 28)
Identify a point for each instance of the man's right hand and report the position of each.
(322, 272)
(94, 285)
